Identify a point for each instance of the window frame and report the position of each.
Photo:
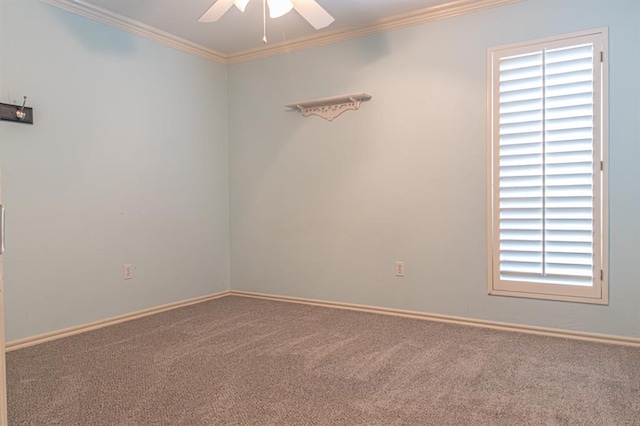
(598, 293)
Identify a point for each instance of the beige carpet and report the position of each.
(242, 361)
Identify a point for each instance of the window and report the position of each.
(547, 166)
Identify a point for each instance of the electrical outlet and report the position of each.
(399, 268)
(128, 271)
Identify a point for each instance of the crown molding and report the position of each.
(138, 28)
(432, 13)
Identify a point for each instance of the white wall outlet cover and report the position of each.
(128, 271)
(399, 268)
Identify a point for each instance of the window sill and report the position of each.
(577, 299)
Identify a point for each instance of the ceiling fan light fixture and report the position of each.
(278, 8)
(241, 4)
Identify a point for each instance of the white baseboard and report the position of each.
(54, 335)
(553, 332)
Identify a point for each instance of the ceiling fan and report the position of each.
(308, 9)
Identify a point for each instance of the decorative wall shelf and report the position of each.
(330, 108)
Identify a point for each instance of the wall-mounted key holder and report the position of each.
(16, 113)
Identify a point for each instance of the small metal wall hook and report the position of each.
(16, 113)
(20, 113)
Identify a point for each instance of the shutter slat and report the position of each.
(570, 259)
(529, 257)
(521, 95)
(569, 247)
(570, 270)
(532, 116)
(568, 134)
(521, 181)
(568, 202)
(522, 246)
(522, 149)
(568, 53)
(522, 202)
(568, 111)
(547, 279)
(519, 267)
(521, 61)
(521, 235)
(520, 224)
(568, 145)
(534, 104)
(570, 100)
(520, 170)
(570, 236)
(564, 224)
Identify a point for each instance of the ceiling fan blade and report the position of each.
(216, 11)
(313, 12)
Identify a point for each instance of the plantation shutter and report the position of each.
(547, 163)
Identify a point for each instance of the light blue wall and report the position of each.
(323, 210)
(127, 163)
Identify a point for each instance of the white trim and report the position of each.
(433, 13)
(541, 331)
(54, 335)
(489, 172)
(551, 39)
(598, 293)
(138, 28)
(605, 161)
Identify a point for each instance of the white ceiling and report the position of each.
(237, 32)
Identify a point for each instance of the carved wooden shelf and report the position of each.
(330, 108)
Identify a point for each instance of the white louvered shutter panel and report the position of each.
(547, 164)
